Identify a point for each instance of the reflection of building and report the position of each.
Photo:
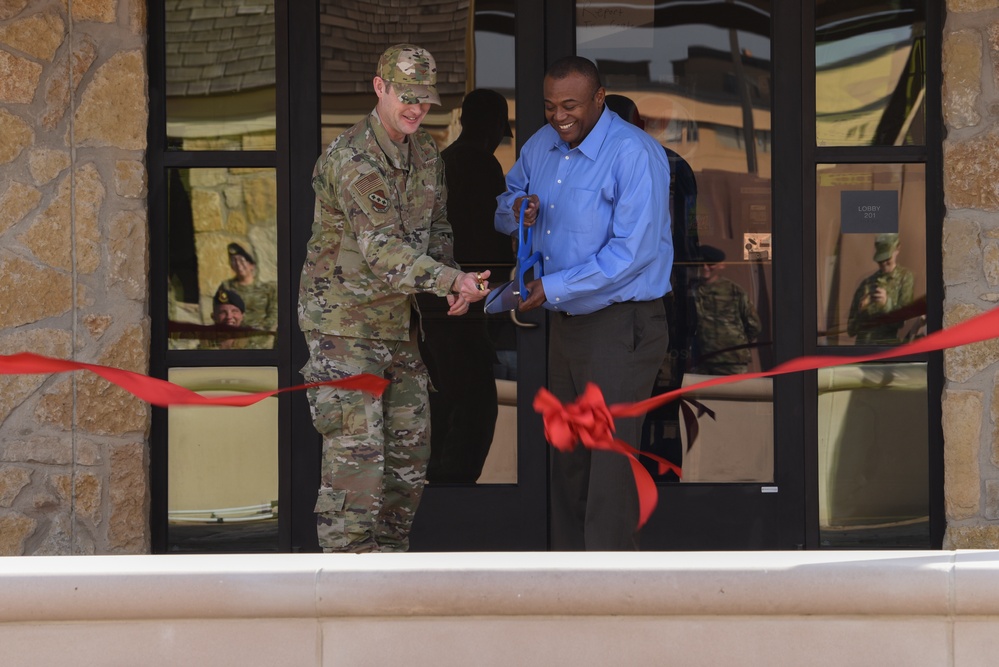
(220, 86)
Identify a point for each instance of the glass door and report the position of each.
(698, 78)
(486, 482)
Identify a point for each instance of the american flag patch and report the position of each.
(368, 184)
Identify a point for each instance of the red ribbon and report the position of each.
(590, 421)
(162, 393)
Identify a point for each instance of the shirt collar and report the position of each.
(590, 146)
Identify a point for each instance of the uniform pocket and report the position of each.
(330, 500)
(337, 412)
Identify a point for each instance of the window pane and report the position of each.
(223, 258)
(871, 253)
(223, 465)
(220, 85)
(873, 456)
(870, 73)
(701, 81)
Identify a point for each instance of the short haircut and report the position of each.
(563, 67)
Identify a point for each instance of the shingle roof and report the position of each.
(353, 33)
(218, 46)
(227, 46)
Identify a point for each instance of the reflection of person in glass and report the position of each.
(260, 297)
(380, 236)
(683, 217)
(228, 312)
(885, 291)
(727, 322)
(597, 189)
(463, 410)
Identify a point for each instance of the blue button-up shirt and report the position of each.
(603, 227)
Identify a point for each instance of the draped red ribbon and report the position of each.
(162, 393)
(590, 421)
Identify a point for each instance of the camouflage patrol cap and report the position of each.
(412, 72)
(884, 246)
(227, 296)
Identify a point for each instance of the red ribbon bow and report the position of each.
(588, 420)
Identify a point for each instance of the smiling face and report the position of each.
(228, 315)
(398, 118)
(243, 268)
(573, 106)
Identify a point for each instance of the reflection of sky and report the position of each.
(851, 47)
(661, 46)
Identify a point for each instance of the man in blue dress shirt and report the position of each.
(598, 193)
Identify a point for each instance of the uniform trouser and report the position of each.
(375, 450)
(594, 502)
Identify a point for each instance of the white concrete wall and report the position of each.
(775, 608)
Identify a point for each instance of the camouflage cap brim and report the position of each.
(414, 94)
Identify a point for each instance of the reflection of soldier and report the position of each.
(463, 410)
(880, 294)
(260, 297)
(230, 331)
(727, 322)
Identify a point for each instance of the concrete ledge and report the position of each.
(898, 607)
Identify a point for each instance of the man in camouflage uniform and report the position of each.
(879, 295)
(380, 236)
(727, 322)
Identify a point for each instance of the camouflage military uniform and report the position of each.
(726, 319)
(380, 236)
(864, 323)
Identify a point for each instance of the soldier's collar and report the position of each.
(417, 152)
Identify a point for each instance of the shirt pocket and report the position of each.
(584, 211)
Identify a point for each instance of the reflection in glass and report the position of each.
(220, 85)
(223, 465)
(222, 258)
(701, 81)
(473, 409)
(870, 73)
(873, 456)
(870, 253)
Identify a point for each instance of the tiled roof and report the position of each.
(219, 46)
(353, 33)
(227, 46)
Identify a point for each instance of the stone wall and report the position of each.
(971, 270)
(73, 274)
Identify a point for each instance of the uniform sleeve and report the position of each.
(382, 241)
(750, 319)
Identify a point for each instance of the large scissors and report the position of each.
(507, 296)
(525, 258)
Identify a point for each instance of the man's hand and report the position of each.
(471, 287)
(458, 305)
(531, 214)
(535, 296)
(879, 296)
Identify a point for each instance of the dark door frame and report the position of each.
(545, 31)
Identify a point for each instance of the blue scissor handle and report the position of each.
(525, 258)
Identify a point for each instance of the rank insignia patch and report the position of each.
(379, 201)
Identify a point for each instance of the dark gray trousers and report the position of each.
(594, 504)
